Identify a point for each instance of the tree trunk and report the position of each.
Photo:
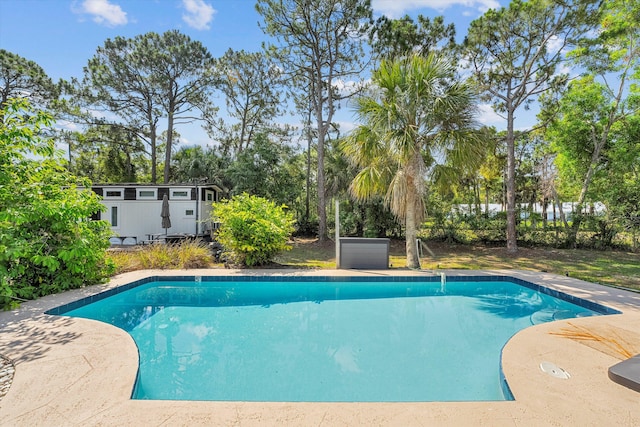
(572, 238)
(563, 218)
(128, 167)
(476, 193)
(308, 183)
(154, 154)
(243, 130)
(512, 238)
(486, 201)
(167, 154)
(412, 215)
(411, 231)
(322, 211)
(322, 126)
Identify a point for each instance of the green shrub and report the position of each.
(253, 229)
(48, 243)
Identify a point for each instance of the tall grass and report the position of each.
(188, 254)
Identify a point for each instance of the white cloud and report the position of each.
(489, 117)
(397, 8)
(104, 12)
(199, 14)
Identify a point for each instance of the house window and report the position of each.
(188, 212)
(209, 196)
(147, 194)
(181, 194)
(116, 193)
(114, 216)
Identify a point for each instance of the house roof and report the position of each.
(149, 185)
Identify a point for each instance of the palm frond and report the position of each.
(368, 183)
(396, 195)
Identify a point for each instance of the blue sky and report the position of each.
(62, 35)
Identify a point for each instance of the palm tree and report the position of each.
(418, 122)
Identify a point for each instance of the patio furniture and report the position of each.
(627, 373)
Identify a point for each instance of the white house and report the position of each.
(133, 210)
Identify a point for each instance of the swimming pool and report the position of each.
(325, 339)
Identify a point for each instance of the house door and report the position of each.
(205, 211)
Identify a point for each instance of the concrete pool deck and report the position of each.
(79, 372)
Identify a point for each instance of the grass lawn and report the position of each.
(606, 267)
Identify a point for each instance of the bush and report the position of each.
(48, 243)
(253, 230)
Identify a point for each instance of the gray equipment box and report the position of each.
(364, 253)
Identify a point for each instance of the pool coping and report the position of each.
(71, 371)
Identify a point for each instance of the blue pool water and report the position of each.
(319, 339)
